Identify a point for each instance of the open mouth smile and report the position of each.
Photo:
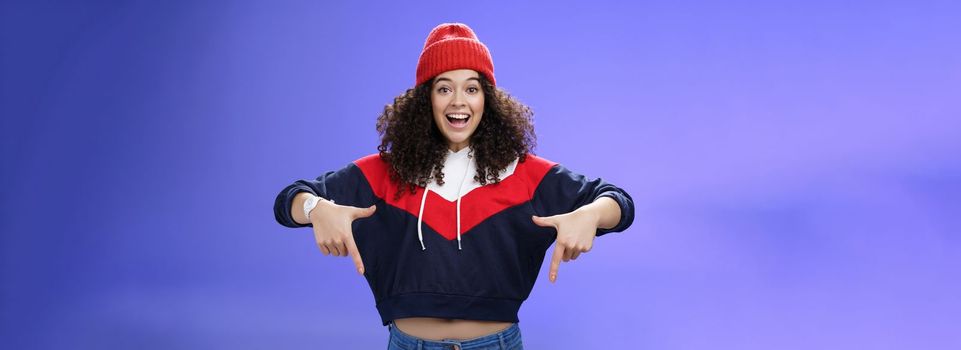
(458, 120)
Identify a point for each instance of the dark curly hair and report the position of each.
(412, 143)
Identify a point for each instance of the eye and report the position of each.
(473, 89)
(443, 89)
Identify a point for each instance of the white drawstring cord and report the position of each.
(420, 215)
(459, 189)
(420, 219)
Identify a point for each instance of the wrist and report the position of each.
(592, 212)
(317, 203)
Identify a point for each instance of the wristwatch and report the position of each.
(309, 205)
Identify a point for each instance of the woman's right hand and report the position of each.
(332, 229)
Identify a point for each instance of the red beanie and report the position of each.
(452, 46)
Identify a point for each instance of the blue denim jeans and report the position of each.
(508, 339)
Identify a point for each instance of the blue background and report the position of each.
(795, 167)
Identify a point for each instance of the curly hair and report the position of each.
(413, 145)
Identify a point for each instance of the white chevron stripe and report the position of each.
(453, 175)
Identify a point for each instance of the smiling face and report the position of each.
(458, 104)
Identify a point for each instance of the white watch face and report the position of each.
(310, 204)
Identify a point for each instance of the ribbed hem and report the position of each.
(448, 306)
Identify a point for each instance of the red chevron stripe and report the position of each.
(478, 205)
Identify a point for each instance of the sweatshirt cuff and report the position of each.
(285, 200)
(626, 205)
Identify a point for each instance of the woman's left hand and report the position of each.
(575, 235)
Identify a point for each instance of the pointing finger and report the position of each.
(355, 254)
(556, 262)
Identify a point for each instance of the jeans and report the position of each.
(508, 339)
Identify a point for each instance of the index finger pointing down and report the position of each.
(556, 262)
(355, 254)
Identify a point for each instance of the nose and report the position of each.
(459, 99)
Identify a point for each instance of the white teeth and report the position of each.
(458, 116)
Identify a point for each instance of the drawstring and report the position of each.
(459, 189)
(423, 200)
(420, 216)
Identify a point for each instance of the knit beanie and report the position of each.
(452, 46)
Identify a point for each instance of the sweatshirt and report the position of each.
(459, 250)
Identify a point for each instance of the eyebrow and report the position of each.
(447, 79)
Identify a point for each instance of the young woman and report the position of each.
(455, 163)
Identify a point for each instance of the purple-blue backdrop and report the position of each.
(795, 168)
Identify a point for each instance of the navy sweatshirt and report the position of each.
(461, 250)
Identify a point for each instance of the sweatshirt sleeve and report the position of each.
(562, 191)
(346, 186)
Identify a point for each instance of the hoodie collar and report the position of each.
(461, 153)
